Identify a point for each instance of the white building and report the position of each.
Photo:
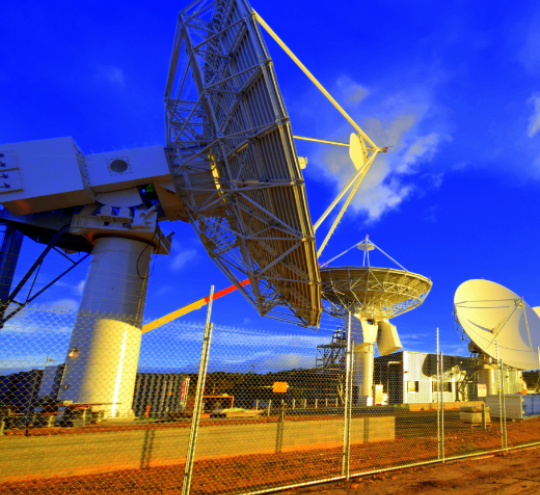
(411, 377)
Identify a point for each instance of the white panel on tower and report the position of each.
(366, 333)
(122, 169)
(42, 175)
(388, 340)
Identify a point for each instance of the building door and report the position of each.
(395, 383)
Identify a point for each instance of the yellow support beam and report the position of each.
(324, 141)
(312, 78)
(190, 307)
(347, 203)
(355, 177)
(175, 314)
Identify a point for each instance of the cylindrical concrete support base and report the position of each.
(364, 355)
(103, 353)
(487, 377)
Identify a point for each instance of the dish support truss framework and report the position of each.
(386, 293)
(234, 162)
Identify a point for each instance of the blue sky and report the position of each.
(452, 87)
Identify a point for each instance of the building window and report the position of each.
(446, 386)
(413, 386)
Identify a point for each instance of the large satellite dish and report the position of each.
(493, 316)
(382, 292)
(234, 162)
(367, 297)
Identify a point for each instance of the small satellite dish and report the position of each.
(492, 315)
(357, 151)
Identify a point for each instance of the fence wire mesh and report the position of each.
(87, 405)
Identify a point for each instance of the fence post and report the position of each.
(440, 402)
(438, 397)
(203, 367)
(503, 392)
(345, 464)
(502, 399)
(442, 406)
(538, 376)
(499, 392)
(30, 413)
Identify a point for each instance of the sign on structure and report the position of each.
(412, 386)
(482, 390)
(280, 387)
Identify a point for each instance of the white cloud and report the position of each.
(394, 176)
(236, 349)
(414, 336)
(536, 168)
(423, 148)
(180, 259)
(390, 133)
(435, 179)
(286, 362)
(458, 167)
(255, 339)
(14, 365)
(80, 287)
(231, 337)
(33, 317)
(110, 74)
(351, 91)
(534, 120)
(387, 183)
(455, 349)
(65, 304)
(163, 289)
(530, 52)
(74, 289)
(30, 320)
(430, 215)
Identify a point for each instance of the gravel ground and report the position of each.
(515, 472)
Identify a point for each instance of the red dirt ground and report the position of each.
(503, 474)
(255, 472)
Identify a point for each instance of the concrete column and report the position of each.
(364, 334)
(488, 374)
(487, 377)
(364, 355)
(103, 353)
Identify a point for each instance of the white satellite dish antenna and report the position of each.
(358, 151)
(372, 295)
(493, 316)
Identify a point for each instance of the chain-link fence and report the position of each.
(86, 404)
